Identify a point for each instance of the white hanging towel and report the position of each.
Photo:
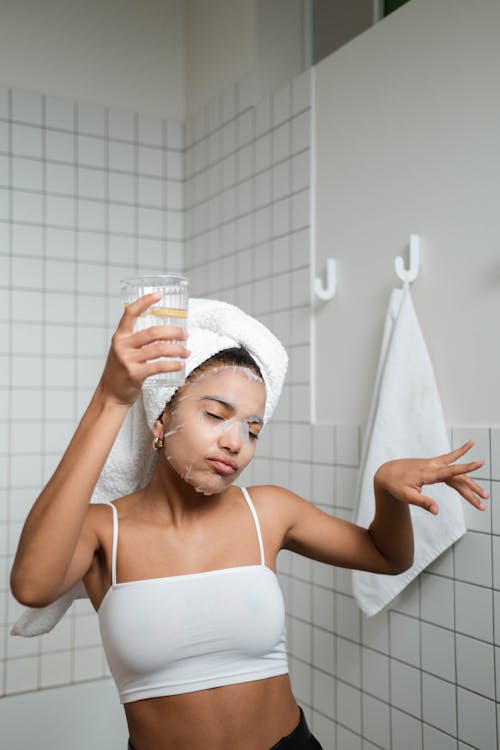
(406, 421)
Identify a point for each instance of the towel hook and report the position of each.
(412, 273)
(331, 282)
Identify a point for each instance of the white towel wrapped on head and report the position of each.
(212, 326)
(406, 421)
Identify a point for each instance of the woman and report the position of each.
(182, 572)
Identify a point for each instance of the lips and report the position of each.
(223, 465)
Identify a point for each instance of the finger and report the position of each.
(414, 497)
(158, 366)
(136, 308)
(443, 473)
(469, 491)
(458, 452)
(159, 349)
(158, 333)
(471, 498)
(475, 487)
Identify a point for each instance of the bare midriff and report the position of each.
(248, 716)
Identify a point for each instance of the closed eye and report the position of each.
(214, 416)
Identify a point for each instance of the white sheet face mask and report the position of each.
(210, 434)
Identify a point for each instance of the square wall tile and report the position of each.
(263, 115)
(480, 449)
(301, 601)
(496, 609)
(301, 92)
(27, 207)
(438, 651)
(301, 680)
(26, 173)
(375, 673)
(121, 124)
(469, 600)
(55, 669)
(91, 151)
(91, 119)
(60, 146)
(475, 666)
(439, 703)
(436, 740)
(27, 140)
(323, 692)
(4, 102)
(405, 688)
(281, 104)
(323, 647)
(59, 113)
(347, 617)
(301, 132)
(437, 600)
(473, 562)
(299, 637)
(280, 140)
(348, 667)
(323, 608)
(406, 732)
(495, 453)
(405, 638)
(21, 675)
(376, 721)
(150, 130)
(348, 706)
(348, 445)
(60, 178)
(476, 720)
(60, 211)
(88, 664)
(323, 443)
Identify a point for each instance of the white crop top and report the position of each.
(165, 636)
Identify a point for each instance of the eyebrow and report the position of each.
(254, 419)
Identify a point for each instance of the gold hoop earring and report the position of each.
(158, 443)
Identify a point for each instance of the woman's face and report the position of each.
(211, 432)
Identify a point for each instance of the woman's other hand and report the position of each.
(404, 478)
(129, 359)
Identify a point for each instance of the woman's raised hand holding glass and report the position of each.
(133, 357)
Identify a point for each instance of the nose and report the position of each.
(233, 436)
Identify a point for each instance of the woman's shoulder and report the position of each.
(274, 501)
(100, 514)
(272, 494)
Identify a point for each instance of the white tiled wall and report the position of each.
(421, 675)
(424, 673)
(88, 196)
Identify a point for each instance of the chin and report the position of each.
(211, 486)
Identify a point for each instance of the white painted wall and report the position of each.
(118, 53)
(229, 39)
(162, 57)
(220, 47)
(407, 140)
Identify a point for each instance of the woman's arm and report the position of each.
(56, 545)
(387, 545)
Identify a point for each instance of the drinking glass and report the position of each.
(170, 310)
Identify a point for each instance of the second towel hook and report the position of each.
(331, 282)
(411, 273)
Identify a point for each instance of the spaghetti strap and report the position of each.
(115, 544)
(246, 495)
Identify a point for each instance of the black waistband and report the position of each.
(296, 740)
